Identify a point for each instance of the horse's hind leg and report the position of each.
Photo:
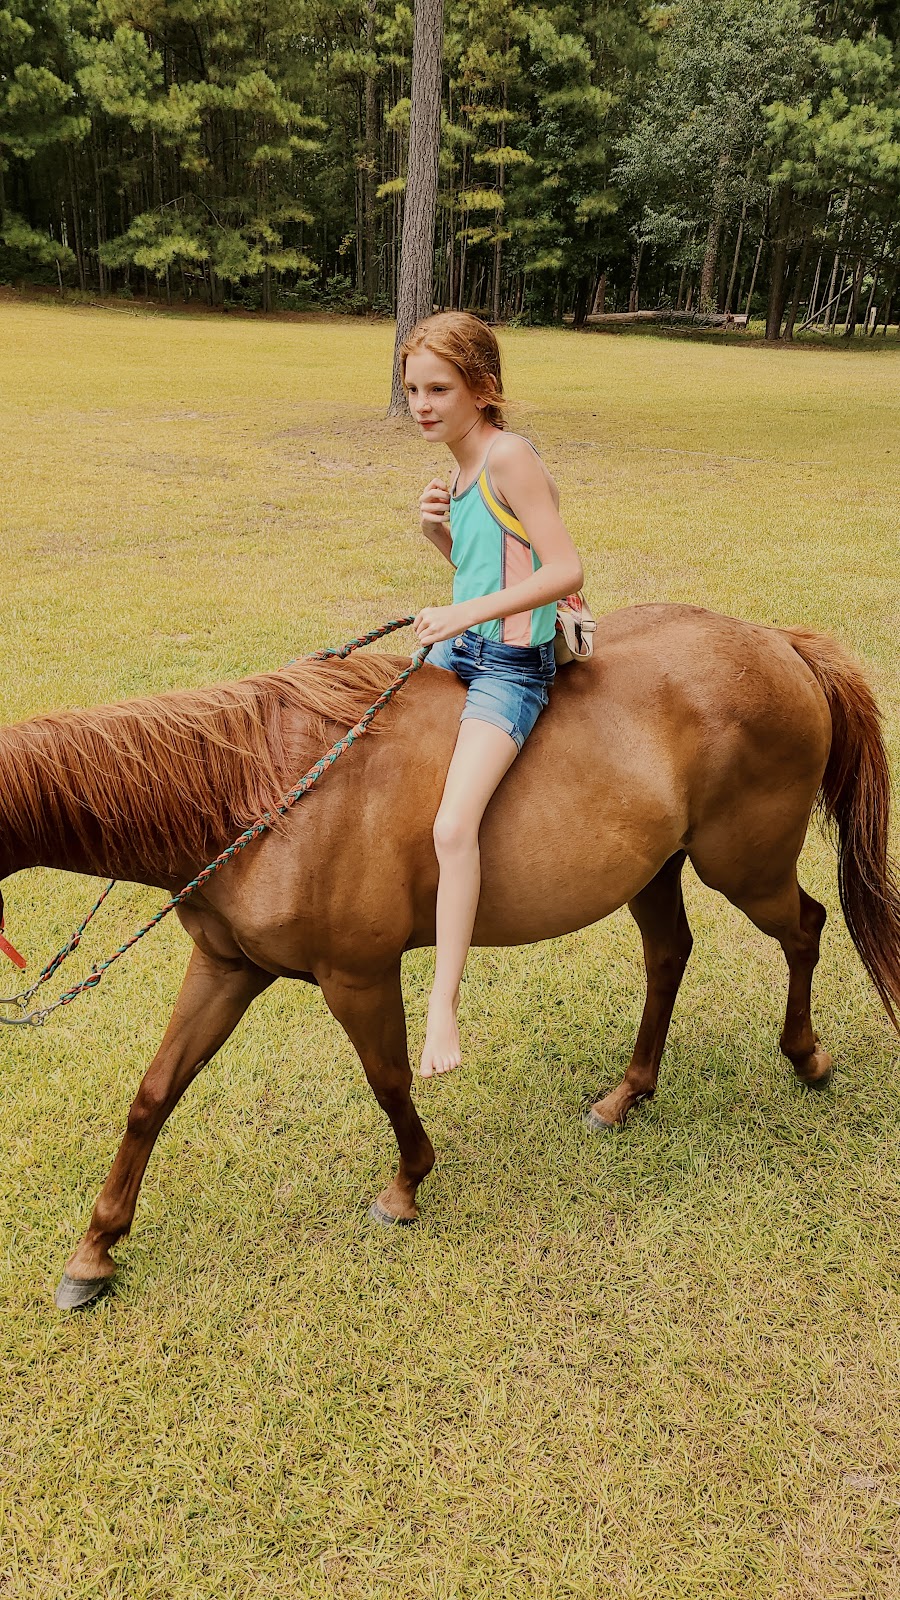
(370, 1010)
(767, 892)
(659, 913)
(796, 920)
(212, 1000)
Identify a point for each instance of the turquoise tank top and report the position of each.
(491, 551)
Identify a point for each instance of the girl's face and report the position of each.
(439, 398)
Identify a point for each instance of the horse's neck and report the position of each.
(61, 850)
(48, 814)
(116, 815)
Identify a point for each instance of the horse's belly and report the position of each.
(561, 887)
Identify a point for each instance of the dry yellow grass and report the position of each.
(663, 1366)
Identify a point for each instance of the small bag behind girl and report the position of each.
(575, 624)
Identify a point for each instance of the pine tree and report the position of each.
(416, 292)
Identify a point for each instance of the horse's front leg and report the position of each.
(213, 998)
(370, 1010)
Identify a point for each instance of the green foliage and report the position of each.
(18, 236)
(846, 128)
(696, 148)
(268, 143)
(155, 241)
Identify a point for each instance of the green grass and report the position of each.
(656, 1366)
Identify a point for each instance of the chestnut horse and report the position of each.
(688, 735)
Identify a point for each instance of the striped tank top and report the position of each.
(491, 551)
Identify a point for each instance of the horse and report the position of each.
(689, 735)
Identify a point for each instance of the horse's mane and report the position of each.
(166, 778)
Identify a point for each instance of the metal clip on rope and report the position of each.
(36, 1019)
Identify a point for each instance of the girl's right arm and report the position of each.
(434, 509)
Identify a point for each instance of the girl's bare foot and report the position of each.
(441, 1052)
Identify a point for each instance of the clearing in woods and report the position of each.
(658, 1365)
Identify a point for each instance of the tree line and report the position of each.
(702, 156)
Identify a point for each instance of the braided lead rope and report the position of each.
(35, 1019)
(22, 999)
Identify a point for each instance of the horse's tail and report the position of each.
(855, 797)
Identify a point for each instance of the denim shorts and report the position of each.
(508, 683)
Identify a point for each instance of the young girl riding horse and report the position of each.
(499, 527)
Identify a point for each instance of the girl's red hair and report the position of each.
(470, 346)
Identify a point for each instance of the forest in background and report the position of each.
(698, 157)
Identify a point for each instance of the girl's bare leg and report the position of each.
(483, 754)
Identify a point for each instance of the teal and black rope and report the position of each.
(255, 830)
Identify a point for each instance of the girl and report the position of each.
(499, 527)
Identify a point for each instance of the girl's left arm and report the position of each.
(522, 482)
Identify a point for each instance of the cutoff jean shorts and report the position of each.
(509, 684)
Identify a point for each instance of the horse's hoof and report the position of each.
(384, 1218)
(73, 1293)
(823, 1061)
(817, 1084)
(595, 1123)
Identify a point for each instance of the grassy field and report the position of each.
(663, 1365)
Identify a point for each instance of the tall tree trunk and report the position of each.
(76, 218)
(463, 242)
(875, 276)
(837, 253)
(599, 296)
(830, 291)
(778, 270)
(579, 310)
(498, 243)
(889, 301)
(834, 300)
(416, 294)
(756, 261)
(867, 318)
(371, 157)
(713, 238)
(359, 229)
(814, 292)
(99, 218)
(798, 284)
(723, 278)
(813, 297)
(735, 259)
(853, 308)
(710, 259)
(636, 264)
(497, 283)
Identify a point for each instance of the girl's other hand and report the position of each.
(434, 503)
(434, 623)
